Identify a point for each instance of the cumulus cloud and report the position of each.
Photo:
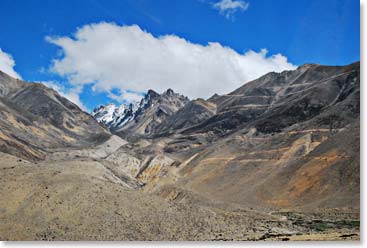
(229, 7)
(130, 59)
(7, 64)
(72, 94)
(126, 96)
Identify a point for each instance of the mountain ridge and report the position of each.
(259, 99)
(35, 118)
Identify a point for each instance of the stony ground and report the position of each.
(81, 199)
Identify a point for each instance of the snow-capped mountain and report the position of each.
(115, 116)
(140, 117)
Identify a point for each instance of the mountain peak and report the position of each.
(151, 94)
(169, 92)
(151, 110)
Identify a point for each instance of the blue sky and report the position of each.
(302, 31)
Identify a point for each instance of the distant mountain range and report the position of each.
(308, 89)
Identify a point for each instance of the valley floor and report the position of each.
(81, 199)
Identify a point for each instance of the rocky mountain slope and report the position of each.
(285, 140)
(35, 119)
(278, 141)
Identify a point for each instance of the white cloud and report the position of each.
(71, 94)
(229, 7)
(7, 64)
(126, 96)
(132, 60)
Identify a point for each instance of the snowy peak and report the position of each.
(148, 99)
(151, 110)
(114, 116)
(105, 113)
